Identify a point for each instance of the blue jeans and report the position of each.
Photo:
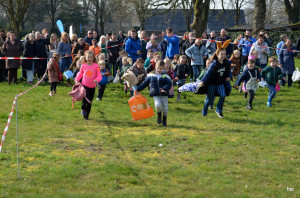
(272, 92)
(30, 73)
(65, 64)
(237, 79)
(196, 71)
(211, 96)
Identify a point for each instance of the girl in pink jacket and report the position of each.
(90, 75)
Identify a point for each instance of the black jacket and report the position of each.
(181, 70)
(113, 47)
(30, 51)
(41, 47)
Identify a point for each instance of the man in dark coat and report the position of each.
(113, 53)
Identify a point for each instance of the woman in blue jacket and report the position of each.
(64, 49)
(287, 62)
(160, 84)
(133, 46)
(197, 53)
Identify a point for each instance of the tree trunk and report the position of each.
(52, 25)
(142, 22)
(96, 20)
(102, 25)
(259, 16)
(201, 10)
(237, 13)
(187, 23)
(293, 12)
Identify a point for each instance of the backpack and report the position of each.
(252, 83)
(78, 93)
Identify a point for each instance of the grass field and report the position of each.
(246, 154)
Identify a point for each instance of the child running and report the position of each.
(250, 77)
(271, 74)
(91, 76)
(160, 83)
(104, 81)
(53, 73)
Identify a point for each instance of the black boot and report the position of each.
(159, 118)
(164, 120)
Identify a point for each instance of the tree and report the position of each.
(102, 11)
(187, 7)
(72, 13)
(143, 10)
(201, 11)
(35, 13)
(275, 14)
(292, 8)
(52, 7)
(3, 16)
(237, 6)
(147, 8)
(259, 15)
(16, 10)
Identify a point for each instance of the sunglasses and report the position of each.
(90, 33)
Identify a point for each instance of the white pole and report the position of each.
(17, 137)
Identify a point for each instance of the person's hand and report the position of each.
(163, 34)
(263, 51)
(118, 71)
(201, 84)
(186, 75)
(95, 81)
(76, 82)
(176, 78)
(294, 51)
(227, 79)
(280, 65)
(283, 78)
(161, 90)
(139, 52)
(192, 59)
(204, 57)
(258, 80)
(110, 53)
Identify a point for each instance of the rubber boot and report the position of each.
(164, 120)
(178, 97)
(159, 118)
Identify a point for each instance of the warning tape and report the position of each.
(12, 110)
(8, 122)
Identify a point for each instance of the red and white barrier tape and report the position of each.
(8, 122)
(20, 58)
(12, 110)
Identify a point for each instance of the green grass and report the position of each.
(246, 154)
